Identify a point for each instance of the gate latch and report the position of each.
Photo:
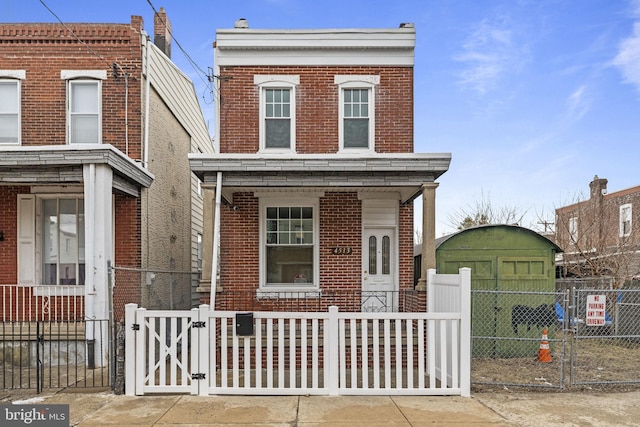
(198, 376)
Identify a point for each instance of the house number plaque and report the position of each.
(342, 250)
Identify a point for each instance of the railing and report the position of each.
(41, 303)
(295, 353)
(350, 300)
(205, 351)
(51, 354)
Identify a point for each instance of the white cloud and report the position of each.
(490, 53)
(578, 103)
(628, 58)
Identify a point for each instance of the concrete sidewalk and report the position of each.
(483, 409)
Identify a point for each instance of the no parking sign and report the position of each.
(596, 306)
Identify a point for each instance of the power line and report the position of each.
(76, 36)
(193, 64)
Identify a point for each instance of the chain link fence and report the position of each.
(508, 333)
(605, 346)
(155, 289)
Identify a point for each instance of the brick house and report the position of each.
(95, 126)
(600, 236)
(311, 188)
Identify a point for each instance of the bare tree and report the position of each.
(483, 212)
(593, 235)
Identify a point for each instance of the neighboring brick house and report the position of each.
(315, 175)
(95, 126)
(600, 236)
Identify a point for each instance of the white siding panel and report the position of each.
(26, 239)
(379, 212)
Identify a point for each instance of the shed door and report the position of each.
(498, 284)
(379, 287)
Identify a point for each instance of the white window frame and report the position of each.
(78, 77)
(14, 77)
(368, 82)
(277, 82)
(264, 203)
(626, 214)
(40, 237)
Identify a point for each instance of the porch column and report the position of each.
(98, 183)
(428, 232)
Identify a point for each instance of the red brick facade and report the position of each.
(43, 50)
(316, 108)
(596, 230)
(340, 212)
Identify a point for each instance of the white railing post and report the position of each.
(194, 351)
(130, 349)
(200, 352)
(141, 351)
(331, 369)
(465, 332)
(431, 300)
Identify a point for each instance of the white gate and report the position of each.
(331, 353)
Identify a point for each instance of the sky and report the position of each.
(531, 98)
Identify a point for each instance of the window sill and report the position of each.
(58, 290)
(296, 293)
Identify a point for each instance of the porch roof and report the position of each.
(404, 173)
(62, 164)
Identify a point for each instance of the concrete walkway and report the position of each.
(483, 409)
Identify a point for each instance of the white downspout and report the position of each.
(145, 158)
(216, 242)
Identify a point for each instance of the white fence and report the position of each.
(334, 353)
(41, 303)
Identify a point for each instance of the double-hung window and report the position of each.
(277, 112)
(625, 220)
(10, 106)
(356, 123)
(84, 106)
(289, 244)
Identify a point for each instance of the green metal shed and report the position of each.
(512, 280)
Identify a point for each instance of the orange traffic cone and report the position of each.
(544, 354)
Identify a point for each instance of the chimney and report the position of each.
(598, 187)
(241, 23)
(162, 32)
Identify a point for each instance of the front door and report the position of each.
(379, 286)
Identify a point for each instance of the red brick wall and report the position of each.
(340, 226)
(128, 229)
(43, 50)
(316, 108)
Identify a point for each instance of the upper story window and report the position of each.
(573, 229)
(10, 106)
(84, 106)
(356, 123)
(277, 112)
(625, 220)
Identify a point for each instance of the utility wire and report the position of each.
(195, 66)
(75, 35)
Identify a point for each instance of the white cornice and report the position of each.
(385, 47)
